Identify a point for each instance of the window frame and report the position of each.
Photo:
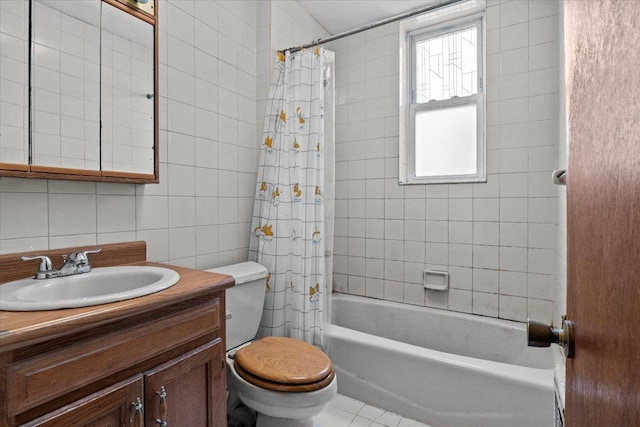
(412, 107)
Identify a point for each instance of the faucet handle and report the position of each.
(44, 268)
(80, 257)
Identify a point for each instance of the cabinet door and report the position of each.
(114, 406)
(189, 390)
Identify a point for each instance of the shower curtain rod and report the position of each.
(414, 12)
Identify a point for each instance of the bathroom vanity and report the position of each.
(156, 360)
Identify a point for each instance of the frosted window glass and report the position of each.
(447, 66)
(445, 141)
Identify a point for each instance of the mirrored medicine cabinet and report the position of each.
(89, 110)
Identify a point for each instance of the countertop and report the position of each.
(18, 329)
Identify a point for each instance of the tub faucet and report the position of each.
(76, 263)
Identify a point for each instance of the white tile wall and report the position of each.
(497, 239)
(199, 214)
(503, 242)
(281, 24)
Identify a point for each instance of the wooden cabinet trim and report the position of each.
(117, 398)
(132, 179)
(14, 167)
(39, 379)
(65, 171)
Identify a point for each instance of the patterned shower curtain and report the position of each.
(288, 229)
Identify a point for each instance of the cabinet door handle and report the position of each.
(137, 413)
(162, 394)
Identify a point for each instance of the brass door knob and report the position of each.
(543, 335)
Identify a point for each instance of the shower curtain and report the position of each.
(290, 235)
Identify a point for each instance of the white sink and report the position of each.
(100, 286)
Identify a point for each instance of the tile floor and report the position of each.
(344, 411)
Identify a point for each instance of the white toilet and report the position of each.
(286, 381)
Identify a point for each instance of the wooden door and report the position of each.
(111, 407)
(603, 210)
(189, 390)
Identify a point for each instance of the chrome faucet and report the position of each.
(76, 263)
(45, 268)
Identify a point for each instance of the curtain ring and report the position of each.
(316, 49)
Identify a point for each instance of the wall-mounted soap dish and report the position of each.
(436, 280)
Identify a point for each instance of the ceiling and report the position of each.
(337, 16)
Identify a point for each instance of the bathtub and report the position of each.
(442, 368)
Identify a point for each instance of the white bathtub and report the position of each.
(443, 368)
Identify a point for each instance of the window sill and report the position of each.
(445, 180)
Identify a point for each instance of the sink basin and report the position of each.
(100, 286)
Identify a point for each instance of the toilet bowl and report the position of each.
(276, 408)
(286, 381)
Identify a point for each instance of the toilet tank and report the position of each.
(244, 301)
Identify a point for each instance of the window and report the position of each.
(445, 104)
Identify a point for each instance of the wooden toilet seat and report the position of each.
(284, 364)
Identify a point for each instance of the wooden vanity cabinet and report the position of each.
(165, 365)
(177, 392)
(128, 363)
